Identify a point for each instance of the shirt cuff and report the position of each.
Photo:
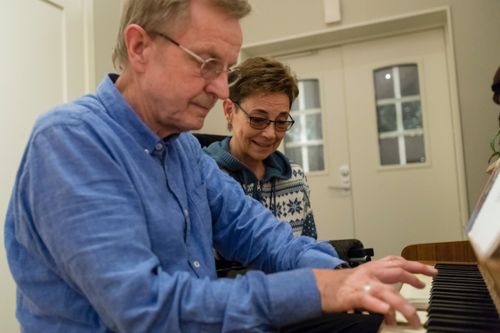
(317, 259)
(294, 297)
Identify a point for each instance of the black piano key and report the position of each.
(487, 310)
(467, 319)
(446, 329)
(460, 284)
(462, 290)
(460, 310)
(457, 297)
(458, 279)
(470, 324)
(472, 267)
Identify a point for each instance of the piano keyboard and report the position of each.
(457, 300)
(460, 302)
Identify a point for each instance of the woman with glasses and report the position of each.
(258, 114)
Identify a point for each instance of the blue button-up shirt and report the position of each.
(111, 228)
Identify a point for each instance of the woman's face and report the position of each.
(251, 146)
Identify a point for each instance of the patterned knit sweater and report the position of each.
(283, 190)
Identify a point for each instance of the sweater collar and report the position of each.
(277, 165)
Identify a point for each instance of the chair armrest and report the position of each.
(352, 251)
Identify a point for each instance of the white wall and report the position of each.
(106, 22)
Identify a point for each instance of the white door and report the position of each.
(404, 190)
(44, 61)
(321, 125)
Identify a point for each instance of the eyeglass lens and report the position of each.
(211, 68)
(262, 123)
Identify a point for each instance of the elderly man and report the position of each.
(116, 210)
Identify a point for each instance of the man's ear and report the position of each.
(138, 44)
(228, 108)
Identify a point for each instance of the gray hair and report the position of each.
(154, 15)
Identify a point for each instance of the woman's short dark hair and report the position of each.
(260, 75)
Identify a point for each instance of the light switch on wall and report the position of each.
(332, 11)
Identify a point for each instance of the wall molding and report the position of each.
(367, 30)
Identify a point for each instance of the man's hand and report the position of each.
(371, 287)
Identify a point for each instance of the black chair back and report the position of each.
(206, 139)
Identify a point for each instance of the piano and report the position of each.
(465, 295)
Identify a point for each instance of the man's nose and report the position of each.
(219, 86)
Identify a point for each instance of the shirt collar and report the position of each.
(119, 110)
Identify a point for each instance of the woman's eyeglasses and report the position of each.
(209, 68)
(260, 123)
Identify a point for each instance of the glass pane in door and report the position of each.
(304, 141)
(399, 115)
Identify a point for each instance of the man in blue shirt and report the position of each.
(116, 210)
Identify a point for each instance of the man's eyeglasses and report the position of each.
(261, 123)
(209, 68)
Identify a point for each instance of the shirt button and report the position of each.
(196, 264)
(159, 146)
(186, 213)
(146, 151)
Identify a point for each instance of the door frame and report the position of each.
(88, 70)
(439, 17)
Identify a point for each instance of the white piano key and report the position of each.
(419, 298)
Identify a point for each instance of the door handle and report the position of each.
(345, 179)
